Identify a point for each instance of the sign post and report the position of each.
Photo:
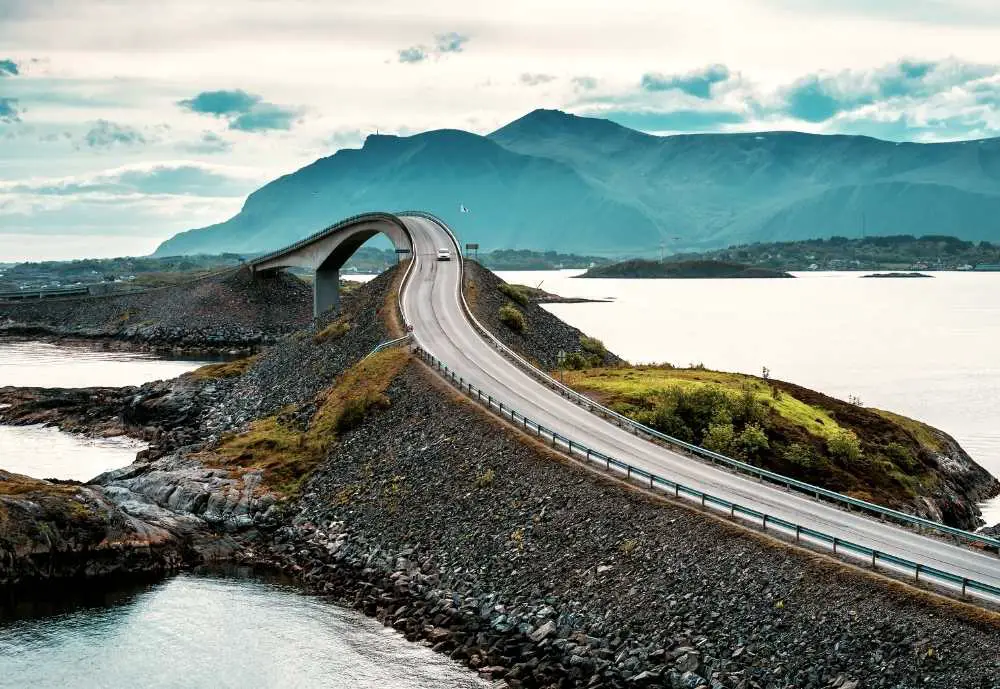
(561, 361)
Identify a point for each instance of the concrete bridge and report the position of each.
(326, 252)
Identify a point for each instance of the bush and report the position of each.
(512, 318)
(334, 331)
(485, 480)
(593, 346)
(752, 441)
(902, 458)
(720, 438)
(800, 455)
(845, 446)
(515, 293)
(576, 362)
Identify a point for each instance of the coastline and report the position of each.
(457, 531)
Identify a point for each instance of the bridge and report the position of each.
(452, 340)
(325, 253)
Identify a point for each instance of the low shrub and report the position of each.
(515, 294)
(752, 441)
(334, 331)
(593, 346)
(485, 480)
(844, 446)
(720, 437)
(512, 318)
(800, 455)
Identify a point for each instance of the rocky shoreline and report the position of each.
(460, 533)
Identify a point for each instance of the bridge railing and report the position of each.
(346, 222)
(803, 535)
(920, 523)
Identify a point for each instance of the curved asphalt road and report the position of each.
(432, 306)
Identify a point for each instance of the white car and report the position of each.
(443, 255)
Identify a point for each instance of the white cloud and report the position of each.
(104, 60)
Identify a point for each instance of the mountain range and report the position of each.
(554, 181)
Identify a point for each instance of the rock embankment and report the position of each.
(234, 309)
(455, 531)
(542, 336)
(171, 508)
(424, 511)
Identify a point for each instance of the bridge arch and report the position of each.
(326, 252)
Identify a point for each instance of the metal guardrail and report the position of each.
(802, 534)
(743, 467)
(386, 345)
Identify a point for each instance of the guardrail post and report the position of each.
(798, 532)
(732, 510)
(874, 553)
(835, 539)
(765, 522)
(588, 455)
(916, 572)
(703, 499)
(677, 490)
(965, 584)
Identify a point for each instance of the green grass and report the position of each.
(515, 293)
(640, 385)
(921, 432)
(287, 453)
(225, 369)
(334, 331)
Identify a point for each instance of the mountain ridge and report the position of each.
(555, 181)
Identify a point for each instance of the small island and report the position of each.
(641, 269)
(897, 275)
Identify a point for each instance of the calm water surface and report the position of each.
(926, 348)
(48, 453)
(24, 363)
(213, 632)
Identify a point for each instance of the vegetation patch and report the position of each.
(287, 446)
(224, 369)
(512, 317)
(515, 293)
(334, 331)
(785, 428)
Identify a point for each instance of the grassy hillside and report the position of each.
(867, 453)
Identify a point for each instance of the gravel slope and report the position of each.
(434, 494)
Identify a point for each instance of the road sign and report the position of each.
(471, 247)
(402, 251)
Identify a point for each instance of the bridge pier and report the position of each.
(326, 290)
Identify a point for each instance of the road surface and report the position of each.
(432, 306)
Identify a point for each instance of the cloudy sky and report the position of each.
(125, 121)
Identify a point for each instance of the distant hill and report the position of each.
(557, 182)
(638, 268)
(898, 252)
